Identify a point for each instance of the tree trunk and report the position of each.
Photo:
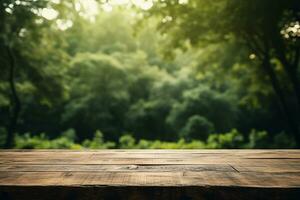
(15, 101)
(293, 75)
(283, 104)
(290, 69)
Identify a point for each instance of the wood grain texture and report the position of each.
(150, 174)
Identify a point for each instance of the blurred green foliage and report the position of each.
(179, 74)
(195, 125)
(229, 140)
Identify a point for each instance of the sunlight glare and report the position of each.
(107, 7)
(64, 24)
(143, 4)
(183, 1)
(49, 13)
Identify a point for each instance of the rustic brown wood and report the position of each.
(150, 174)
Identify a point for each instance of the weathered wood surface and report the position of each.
(150, 174)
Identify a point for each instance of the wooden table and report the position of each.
(149, 174)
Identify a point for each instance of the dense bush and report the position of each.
(42, 142)
(197, 127)
(98, 142)
(229, 140)
(232, 139)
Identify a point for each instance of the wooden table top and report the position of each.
(165, 168)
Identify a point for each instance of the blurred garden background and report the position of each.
(149, 74)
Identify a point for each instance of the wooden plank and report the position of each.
(282, 168)
(133, 157)
(150, 174)
(279, 168)
(123, 168)
(159, 154)
(171, 179)
(144, 161)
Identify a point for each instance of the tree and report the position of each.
(99, 95)
(265, 34)
(22, 28)
(197, 127)
(217, 108)
(15, 17)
